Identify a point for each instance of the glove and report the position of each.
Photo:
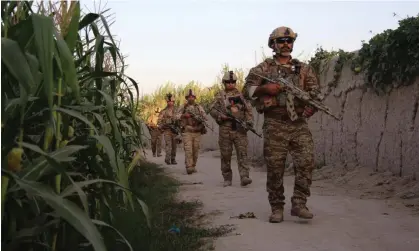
(309, 111)
(249, 124)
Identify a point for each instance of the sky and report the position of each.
(184, 40)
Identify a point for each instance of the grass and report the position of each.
(158, 191)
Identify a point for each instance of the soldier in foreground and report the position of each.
(285, 126)
(191, 115)
(155, 133)
(167, 123)
(231, 101)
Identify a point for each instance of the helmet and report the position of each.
(189, 93)
(229, 76)
(281, 32)
(169, 97)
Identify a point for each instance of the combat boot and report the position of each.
(302, 212)
(154, 154)
(159, 155)
(227, 183)
(167, 162)
(277, 216)
(190, 170)
(174, 162)
(245, 181)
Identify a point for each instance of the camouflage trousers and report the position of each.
(228, 138)
(170, 145)
(191, 143)
(281, 137)
(156, 138)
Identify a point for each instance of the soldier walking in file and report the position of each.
(155, 133)
(166, 122)
(191, 115)
(285, 126)
(231, 133)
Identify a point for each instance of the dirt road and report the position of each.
(341, 223)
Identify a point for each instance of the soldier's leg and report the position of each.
(168, 146)
(240, 143)
(275, 148)
(226, 149)
(187, 139)
(153, 143)
(158, 144)
(173, 150)
(196, 147)
(302, 152)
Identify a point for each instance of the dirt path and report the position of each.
(340, 223)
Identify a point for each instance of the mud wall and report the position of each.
(379, 132)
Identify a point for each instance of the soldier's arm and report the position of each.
(160, 119)
(178, 113)
(216, 103)
(202, 112)
(311, 84)
(252, 82)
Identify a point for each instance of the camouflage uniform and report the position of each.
(191, 133)
(285, 130)
(230, 133)
(167, 116)
(156, 135)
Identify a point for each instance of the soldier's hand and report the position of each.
(272, 89)
(224, 117)
(249, 124)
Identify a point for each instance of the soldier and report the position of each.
(167, 120)
(285, 126)
(192, 129)
(155, 133)
(230, 133)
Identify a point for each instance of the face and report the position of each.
(284, 46)
(170, 103)
(191, 99)
(229, 84)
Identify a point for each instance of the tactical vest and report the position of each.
(190, 124)
(283, 103)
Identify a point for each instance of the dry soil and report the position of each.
(343, 220)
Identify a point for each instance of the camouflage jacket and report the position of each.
(300, 74)
(231, 102)
(191, 124)
(166, 116)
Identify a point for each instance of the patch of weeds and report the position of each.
(158, 191)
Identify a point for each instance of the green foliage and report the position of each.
(321, 57)
(150, 103)
(68, 130)
(391, 59)
(343, 57)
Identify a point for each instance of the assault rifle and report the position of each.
(302, 95)
(242, 123)
(200, 119)
(174, 127)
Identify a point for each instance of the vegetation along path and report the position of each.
(341, 222)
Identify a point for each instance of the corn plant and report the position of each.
(68, 131)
